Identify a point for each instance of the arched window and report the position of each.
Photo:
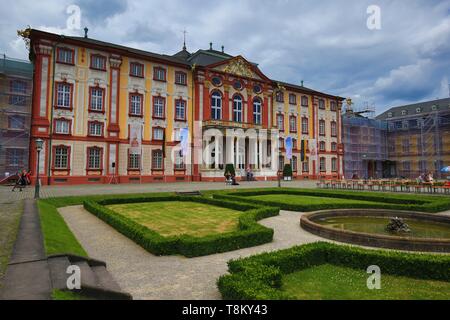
(257, 112)
(216, 106)
(237, 108)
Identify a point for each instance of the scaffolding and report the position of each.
(365, 146)
(15, 114)
(420, 143)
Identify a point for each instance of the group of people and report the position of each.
(231, 177)
(426, 178)
(23, 179)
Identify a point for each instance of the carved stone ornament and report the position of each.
(239, 67)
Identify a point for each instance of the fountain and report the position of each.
(398, 225)
(404, 230)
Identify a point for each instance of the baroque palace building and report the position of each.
(109, 113)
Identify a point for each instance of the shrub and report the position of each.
(249, 232)
(229, 167)
(259, 277)
(287, 170)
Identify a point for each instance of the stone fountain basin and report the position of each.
(309, 223)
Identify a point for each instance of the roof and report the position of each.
(182, 58)
(15, 67)
(411, 109)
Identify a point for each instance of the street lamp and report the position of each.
(39, 143)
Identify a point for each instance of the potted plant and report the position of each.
(287, 172)
(229, 168)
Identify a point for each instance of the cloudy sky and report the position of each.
(325, 43)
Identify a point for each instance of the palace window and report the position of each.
(180, 110)
(136, 101)
(294, 163)
(176, 136)
(18, 89)
(322, 165)
(405, 145)
(281, 143)
(406, 166)
(279, 96)
(257, 89)
(65, 55)
(180, 78)
(334, 146)
(280, 163)
(237, 108)
(333, 164)
(97, 99)
(305, 165)
(136, 69)
(333, 106)
(134, 161)
(292, 98)
(62, 126)
(157, 160)
(217, 81)
(14, 157)
(159, 74)
(159, 107)
(305, 125)
(61, 160)
(95, 129)
(94, 158)
(293, 124)
(216, 105)
(237, 85)
(294, 144)
(280, 121)
(321, 104)
(305, 101)
(179, 161)
(63, 95)
(322, 146)
(98, 62)
(322, 127)
(158, 133)
(333, 129)
(16, 122)
(257, 111)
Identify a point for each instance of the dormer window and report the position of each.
(404, 112)
(390, 115)
(418, 110)
(434, 108)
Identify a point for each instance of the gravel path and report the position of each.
(146, 276)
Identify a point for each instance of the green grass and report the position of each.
(68, 295)
(172, 218)
(330, 282)
(57, 236)
(310, 200)
(10, 214)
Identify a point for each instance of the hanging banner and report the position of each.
(313, 147)
(288, 146)
(184, 138)
(135, 138)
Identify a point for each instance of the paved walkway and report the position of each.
(79, 190)
(146, 276)
(28, 274)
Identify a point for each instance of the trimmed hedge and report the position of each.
(385, 201)
(249, 232)
(259, 277)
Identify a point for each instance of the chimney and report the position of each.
(223, 49)
(301, 83)
(86, 32)
(210, 45)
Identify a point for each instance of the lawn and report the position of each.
(9, 223)
(57, 236)
(308, 200)
(330, 282)
(173, 218)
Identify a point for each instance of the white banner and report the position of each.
(135, 138)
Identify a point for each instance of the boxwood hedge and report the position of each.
(381, 200)
(259, 277)
(249, 232)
